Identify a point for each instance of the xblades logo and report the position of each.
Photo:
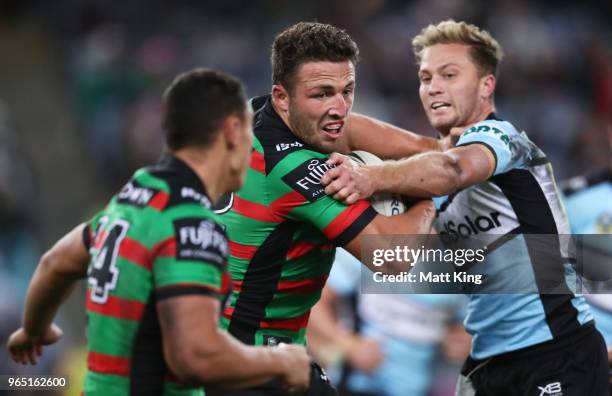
(452, 232)
(552, 389)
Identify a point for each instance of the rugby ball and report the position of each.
(387, 204)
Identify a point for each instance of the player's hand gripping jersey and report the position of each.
(282, 229)
(157, 238)
(519, 199)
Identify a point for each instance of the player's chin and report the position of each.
(325, 145)
(441, 123)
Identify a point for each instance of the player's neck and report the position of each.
(481, 114)
(208, 166)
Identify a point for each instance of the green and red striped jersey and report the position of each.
(157, 238)
(283, 230)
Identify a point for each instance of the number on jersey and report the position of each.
(103, 271)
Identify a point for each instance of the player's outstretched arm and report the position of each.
(198, 352)
(416, 221)
(386, 140)
(57, 272)
(424, 175)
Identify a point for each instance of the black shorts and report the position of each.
(575, 365)
(319, 386)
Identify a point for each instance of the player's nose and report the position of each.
(435, 86)
(340, 106)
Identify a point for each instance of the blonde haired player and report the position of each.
(531, 333)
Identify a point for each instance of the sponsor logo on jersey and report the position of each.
(552, 389)
(471, 226)
(135, 194)
(287, 146)
(190, 193)
(200, 240)
(273, 340)
(306, 178)
(490, 129)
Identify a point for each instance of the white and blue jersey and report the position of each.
(588, 201)
(409, 327)
(510, 310)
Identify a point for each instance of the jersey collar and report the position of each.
(184, 175)
(493, 116)
(269, 118)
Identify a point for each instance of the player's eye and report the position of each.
(449, 75)
(425, 79)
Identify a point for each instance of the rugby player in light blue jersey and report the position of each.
(588, 202)
(531, 333)
(395, 340)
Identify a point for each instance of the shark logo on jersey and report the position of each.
(200, 240)
(452, 231)
(306, 178)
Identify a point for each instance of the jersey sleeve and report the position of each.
(191, 258)
(502, 139)
(307, 202)
(88, 235)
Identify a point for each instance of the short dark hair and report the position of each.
(306, 42)
(197, 102)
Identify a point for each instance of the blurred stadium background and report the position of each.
(81, 81)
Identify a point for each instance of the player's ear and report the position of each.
(280, 97)
(487, 86)
(231, 131)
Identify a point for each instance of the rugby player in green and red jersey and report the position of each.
(283, 229)
(155, 259)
